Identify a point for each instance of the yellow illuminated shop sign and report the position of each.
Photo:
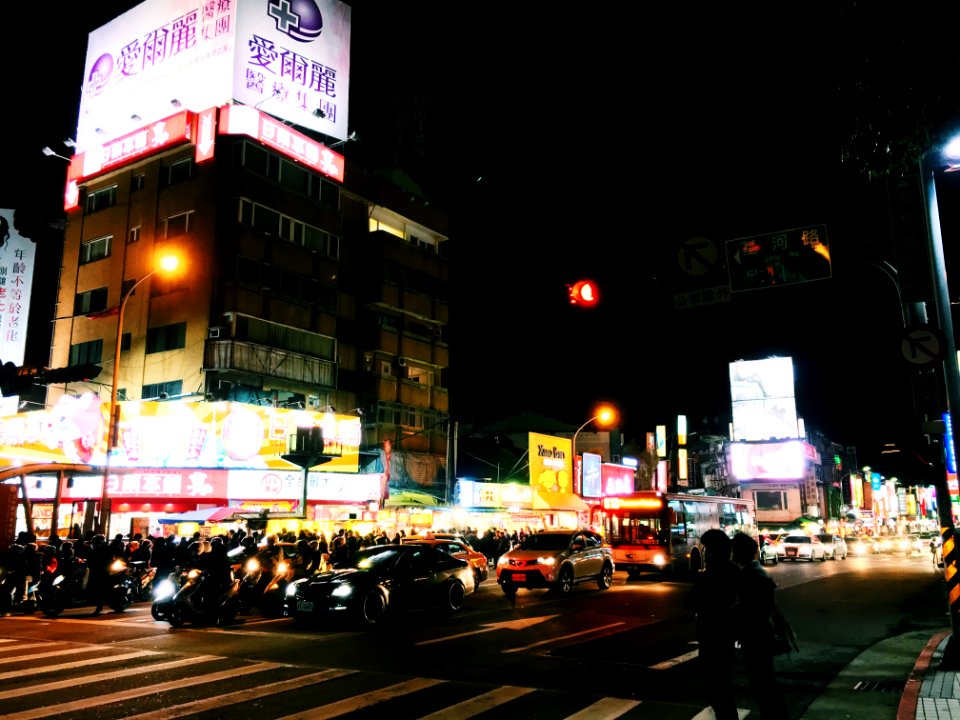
(551, 463)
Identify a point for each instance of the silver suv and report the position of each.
(557, 559)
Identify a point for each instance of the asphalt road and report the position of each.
(624, 653)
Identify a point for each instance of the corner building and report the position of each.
(294, 290)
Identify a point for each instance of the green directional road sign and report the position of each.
(780, 258)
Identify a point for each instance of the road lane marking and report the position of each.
(605, 709)
(74, 682)
(565, 637)
(54, 653)
(342, 707)
(673, 662)
(66, 709)
(506, 625)
(480, 703)
(218, 701)
(46, 669)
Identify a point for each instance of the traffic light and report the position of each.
(584, 293)
(72, 373)
(16, 380)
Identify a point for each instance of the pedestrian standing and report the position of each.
(755, 594)
(713, 597)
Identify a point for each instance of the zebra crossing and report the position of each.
(56, 679)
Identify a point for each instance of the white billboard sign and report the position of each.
(288, 57)
(17, 258)
(762, 396)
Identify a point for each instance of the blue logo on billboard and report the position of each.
(300, 19)
(948, 445)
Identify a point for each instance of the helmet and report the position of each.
(204, 547)
(133, 546)
(248, 542)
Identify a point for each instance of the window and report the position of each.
(100, 199)
(770, 500)
(329, 194)
(86, 352)
(90, 301)
(134, 234)
(419, 375)
(95, 249)
(385, 227)
(174, 225)
(177, 172)
(166, 337)
(294, 177)
(138, 181)
(125, 341)
(161, 390)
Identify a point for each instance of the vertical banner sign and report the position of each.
(661, 441)
(8, 514)
(16, 282)
(682, 467)
(951, 457)
(681, 429)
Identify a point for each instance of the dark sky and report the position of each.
(597, 141)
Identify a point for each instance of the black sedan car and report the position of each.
(381, 580)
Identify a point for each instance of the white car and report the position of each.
(801, 547)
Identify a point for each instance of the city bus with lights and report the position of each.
(660, 532)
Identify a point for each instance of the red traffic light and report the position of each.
(584, 293)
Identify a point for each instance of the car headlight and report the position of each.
(292, 588)
(659, 559)
(252, 565)
(551, 561)
(282, 567)
(503, 560)
(343, 590)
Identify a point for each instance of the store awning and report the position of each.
(412, 498)
(207, 515)
(571, 502)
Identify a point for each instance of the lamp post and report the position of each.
(930, 163)
(607, 415)
(168, 263)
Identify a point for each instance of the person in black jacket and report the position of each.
(713, 597)
(755, 594)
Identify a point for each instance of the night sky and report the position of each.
(598, 141)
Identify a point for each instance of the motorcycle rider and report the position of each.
(101, 557)
(216, 564)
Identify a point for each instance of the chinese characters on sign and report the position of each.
(16, 281)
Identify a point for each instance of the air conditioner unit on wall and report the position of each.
(402, 362)
(213, 332)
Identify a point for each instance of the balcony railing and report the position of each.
(255, 359)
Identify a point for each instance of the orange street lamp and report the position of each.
(168, 263)
(606, 417)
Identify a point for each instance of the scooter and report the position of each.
(195, 604)
(165, 591)
(71, 589)
(142, 577)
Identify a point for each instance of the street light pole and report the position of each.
(606, 415)
(951, 378)
(168, 263)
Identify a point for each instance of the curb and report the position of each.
(911, 691)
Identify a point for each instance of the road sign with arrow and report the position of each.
(923, 345)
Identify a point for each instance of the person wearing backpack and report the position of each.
(755, 610)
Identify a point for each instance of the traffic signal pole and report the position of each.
(951, 379)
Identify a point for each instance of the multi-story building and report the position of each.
(308, 288)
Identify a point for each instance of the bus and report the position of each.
(657, 531)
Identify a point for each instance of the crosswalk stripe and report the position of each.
(74, 682)
(480, 703)
(47, 669)
(342, 707)
(87, 703)
(605, 709)
(26, 646)
(41, 656)
(198, 706)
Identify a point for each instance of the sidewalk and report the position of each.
(897, 679)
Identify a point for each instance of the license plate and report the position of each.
(304, 606)
(791, 551)
(519, 577)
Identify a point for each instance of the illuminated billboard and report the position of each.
(762, 397)
(17, 256)
(176, 435)
(767, 461)
(290, 58)
(551, 468)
